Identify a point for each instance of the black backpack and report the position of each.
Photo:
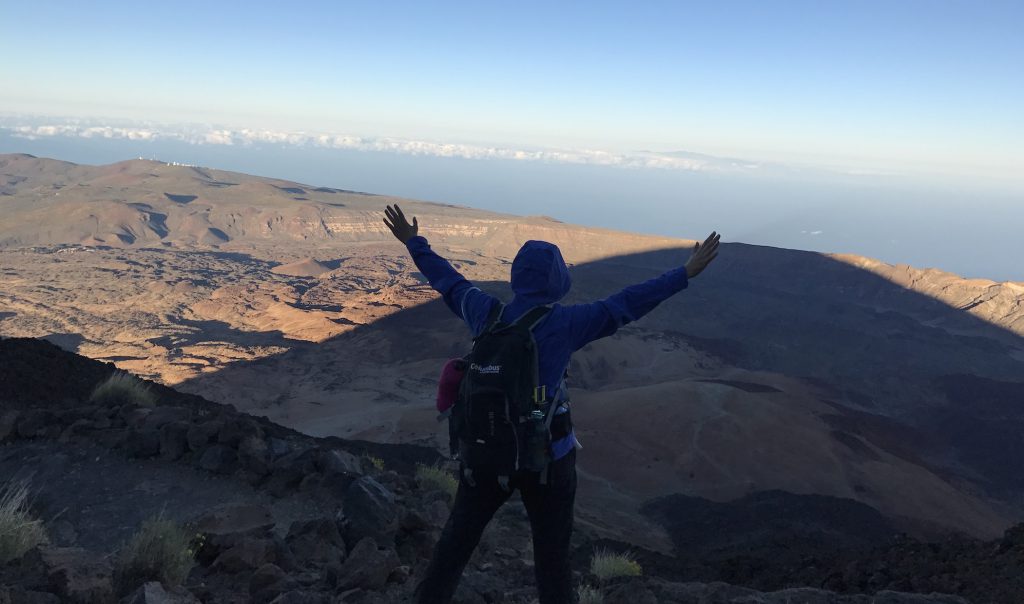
(501, 421)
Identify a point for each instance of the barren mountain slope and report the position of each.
(279, 516)
(777, 369)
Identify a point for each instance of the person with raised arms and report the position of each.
(511, 423)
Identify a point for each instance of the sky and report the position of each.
(906, 105)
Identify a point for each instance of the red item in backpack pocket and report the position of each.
(448, 385)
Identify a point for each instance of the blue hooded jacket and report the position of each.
(539, 277)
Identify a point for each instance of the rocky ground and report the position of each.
(287, 518)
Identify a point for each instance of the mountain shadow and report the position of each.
(898, 371)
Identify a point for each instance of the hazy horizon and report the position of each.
(896, 222)
(892, 131)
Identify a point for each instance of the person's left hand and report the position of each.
(400, 227)
(702, 255)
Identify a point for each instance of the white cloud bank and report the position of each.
(34, 128)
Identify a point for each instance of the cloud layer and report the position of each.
(35, 128)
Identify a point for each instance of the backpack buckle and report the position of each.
(540, 394)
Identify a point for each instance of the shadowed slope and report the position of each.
(840, 393)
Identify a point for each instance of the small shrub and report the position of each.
(608, 565)
(437, 478)
(19, 531)
(589, 595)
(376, 462)
(123, 388)
(160, 551)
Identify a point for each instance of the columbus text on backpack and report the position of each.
(501, 419)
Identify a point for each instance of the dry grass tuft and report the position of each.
(376, 462)
(436, 478)
(607, 565)
(160, 551)
(589, 595)
(123, 388)
(19, 530)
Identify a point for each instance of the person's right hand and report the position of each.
(702, 255)
(400, 227)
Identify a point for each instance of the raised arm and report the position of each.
(589, 322)
(468, 302)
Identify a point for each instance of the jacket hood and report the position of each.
(539, 274)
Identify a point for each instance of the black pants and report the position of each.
(550, 508)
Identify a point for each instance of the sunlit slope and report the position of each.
(143, 202)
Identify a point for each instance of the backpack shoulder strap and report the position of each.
(493, 318)
(533, 316)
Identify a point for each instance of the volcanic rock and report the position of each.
(268, 582)
(316, 542)
(370, 511)
(219, 459)
(174, 440)
(142, 443)
(200, 435)
(78, 575)
(367, 566)
(155, 593)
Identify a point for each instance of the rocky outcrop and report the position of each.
(155, 593)
(370, 511)
(77, 575)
